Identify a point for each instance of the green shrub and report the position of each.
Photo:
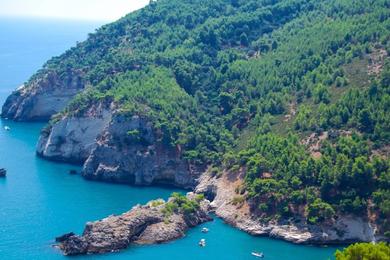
(238, 200)
(369, 251)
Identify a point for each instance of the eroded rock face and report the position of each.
(116, 148)
(42, 98)
(128, 152)
(141, 225)
(72, 139)
(346, 229)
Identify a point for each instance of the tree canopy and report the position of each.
(369, 251)
(241, 84)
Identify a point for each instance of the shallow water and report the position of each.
(40, 200)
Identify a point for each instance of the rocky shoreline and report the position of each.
(347, 229)
(115, 148)
(149, 224)
(153, 223)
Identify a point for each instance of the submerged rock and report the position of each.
(148, 224)
(3, 172)
(72, 172)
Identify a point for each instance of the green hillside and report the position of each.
(243, 84)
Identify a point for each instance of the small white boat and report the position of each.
(258, 254)
(202, 242)
(7, 128)
(205, 230)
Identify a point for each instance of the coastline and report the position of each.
(347, 230)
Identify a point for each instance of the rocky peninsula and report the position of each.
(156, 222)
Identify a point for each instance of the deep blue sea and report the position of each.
(40, 200)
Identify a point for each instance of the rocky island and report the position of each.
(276, 111)
(156, 222)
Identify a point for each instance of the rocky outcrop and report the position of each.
(43, 97)
(147, 224)
(72, 139)
(116, 148)
(237, 213)
(128, 152)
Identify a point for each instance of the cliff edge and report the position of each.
(43, 96)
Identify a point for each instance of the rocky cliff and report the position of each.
(149, 224)
(72, 138)
(127, 152)
(237, 212)
(115, 148)
(42, 97)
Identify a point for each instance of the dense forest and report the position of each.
(364, 251)
(294, 92)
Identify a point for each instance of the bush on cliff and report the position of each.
(366, 251)
(181, 204)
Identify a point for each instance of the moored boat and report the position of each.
(258, 254)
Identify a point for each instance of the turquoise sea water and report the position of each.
(39, 200)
